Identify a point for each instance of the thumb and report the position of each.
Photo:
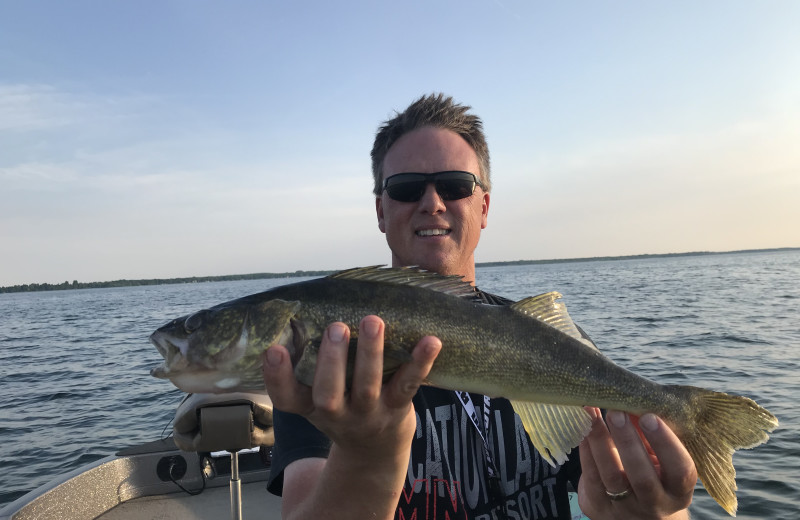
(283, 389)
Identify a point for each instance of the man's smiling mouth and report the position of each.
(432, 232)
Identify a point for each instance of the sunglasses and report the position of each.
(450, 185)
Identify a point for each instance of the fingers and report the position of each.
(409, 377)
(327, 395)
(368, 369)
(367, 388)
(283, 389)
(672, 477)
(600, 454)
(678, 474)
(638, 469)
(590, 486)
(329, 379)
(651, 463)
(330, 393)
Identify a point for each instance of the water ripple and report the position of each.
(76, 384)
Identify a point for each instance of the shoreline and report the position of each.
(38, 287)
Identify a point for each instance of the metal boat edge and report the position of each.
(157, 468)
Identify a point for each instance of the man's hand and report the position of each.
(647, 459)
(371, 425)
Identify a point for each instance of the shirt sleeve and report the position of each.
(295, 439)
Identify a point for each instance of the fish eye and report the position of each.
(193, 322)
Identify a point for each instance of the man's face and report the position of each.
(431, 233)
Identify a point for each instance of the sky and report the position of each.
(164, 138)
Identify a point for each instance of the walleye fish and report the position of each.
(529, 352)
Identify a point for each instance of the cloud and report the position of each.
(34, 107)
(25, 108)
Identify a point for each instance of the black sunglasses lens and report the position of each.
(406, 191)
(410, 187)
(454, 189)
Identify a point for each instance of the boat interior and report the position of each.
(215, 465)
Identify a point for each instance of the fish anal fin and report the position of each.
(554, 429)
(547, 309)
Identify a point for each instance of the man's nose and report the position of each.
(431, 202)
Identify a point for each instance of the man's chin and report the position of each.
(437, 264)
(439, 257)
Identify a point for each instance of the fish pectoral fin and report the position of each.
(305, 367)
(554, 429)
(548, 310)
(393, 357)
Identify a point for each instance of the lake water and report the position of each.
(75, 364)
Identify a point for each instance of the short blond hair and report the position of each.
(437, 111)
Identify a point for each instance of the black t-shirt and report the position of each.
(449, 471)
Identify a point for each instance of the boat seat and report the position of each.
(216, 422)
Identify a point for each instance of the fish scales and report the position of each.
(483, 344)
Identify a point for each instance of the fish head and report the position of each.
(219, 349)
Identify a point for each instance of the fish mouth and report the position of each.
(173, 350)
(167, 344)
(432, 232)
(160, 371)
(157, 340)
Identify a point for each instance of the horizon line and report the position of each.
(36, 287)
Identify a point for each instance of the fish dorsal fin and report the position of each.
(554, 429)
(547, 309)
(453, 285)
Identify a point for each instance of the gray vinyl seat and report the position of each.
(231, 422)
(225, 422)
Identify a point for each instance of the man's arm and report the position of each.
(646, 458)
(371, 425)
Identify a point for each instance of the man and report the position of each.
(402, 450)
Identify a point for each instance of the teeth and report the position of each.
(432, 232)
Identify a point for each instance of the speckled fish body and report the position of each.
(529, 352)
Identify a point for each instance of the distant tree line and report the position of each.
(259, 276)
(631, 257)
(31, 287)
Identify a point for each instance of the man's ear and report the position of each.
(485, 211)
(379, 212)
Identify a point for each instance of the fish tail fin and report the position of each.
(722, 424)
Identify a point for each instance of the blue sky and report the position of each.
(157, 139)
